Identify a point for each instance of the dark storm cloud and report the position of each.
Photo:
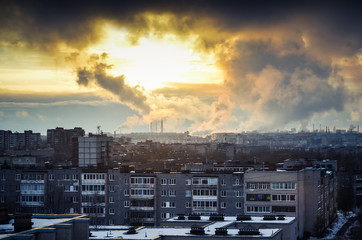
(96, 74)
(281, 68)
(43, 23)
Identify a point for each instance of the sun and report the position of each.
(156, 62)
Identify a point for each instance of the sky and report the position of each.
(200, 66)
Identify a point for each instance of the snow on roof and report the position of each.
(6, 229)
(153, 232)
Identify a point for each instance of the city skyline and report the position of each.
(200, 66)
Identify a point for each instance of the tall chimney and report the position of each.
(161, 125)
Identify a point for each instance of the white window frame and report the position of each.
(163, 181)
(111, 211)
(172, 181)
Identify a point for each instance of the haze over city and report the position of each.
(201, 66)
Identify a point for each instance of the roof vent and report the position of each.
(221, 231)
(243, 217)
(249, 231)
(194, 217)
(269, 217)
(181, 216)
(197, 230)
(281, 217)
(216, 217)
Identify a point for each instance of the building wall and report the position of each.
(309, 195)
(113, 197)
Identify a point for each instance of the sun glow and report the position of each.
(154, 62)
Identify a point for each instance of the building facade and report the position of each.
(113, 197)
(92, 151)
(19, 141)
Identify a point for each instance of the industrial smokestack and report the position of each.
(161, 125)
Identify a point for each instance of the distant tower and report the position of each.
(161, 125)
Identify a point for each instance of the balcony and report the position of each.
(32, 181)
(142, 209)
(141, 196)
(211, 198)
(208, 209)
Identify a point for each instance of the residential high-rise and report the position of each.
(92, 151)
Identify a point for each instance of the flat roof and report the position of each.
(154, 232)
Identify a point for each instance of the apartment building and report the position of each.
(113, 197)
(92, 151)
(19, 141)
(309, 195)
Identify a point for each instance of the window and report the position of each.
(188, 193)
(237, 181)
(3, 199)
(111, 211)
(187, 204)
(66, 188)
(74, 199)
(204, 181)
(223, 205)
(204, 205)
(223, 193)
(126, 192)
(66, 177)
(17, 188)
(126, 181)
(111, 221)
(164, 215)
(172, 181)
(258, 197)
(111, 199)
(172, 193)
(238, 205)
(283, 208)
(111, 177)
(75, 176)
(163, 193)
(168, 204)
(258, 209)
(257, 185)
(163, 181)
(3, 178)
(111, 188)
(126, 214)
(188, 181)
(126, 203)
(204, 192)
(283, 186)
(17, 177)
(238, 194)
(223, 182)
(283, 197)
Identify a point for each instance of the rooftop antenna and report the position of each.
(99, 129)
